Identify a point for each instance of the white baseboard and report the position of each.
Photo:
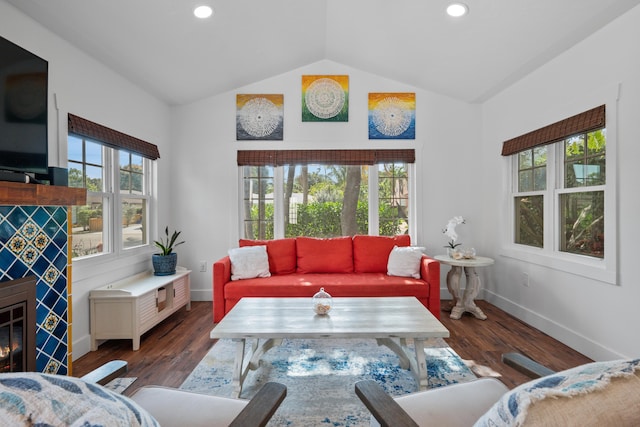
(201, 295)
(576, 341)
(81, 347)
(444, 294)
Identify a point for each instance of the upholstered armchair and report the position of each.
(174, 407)
(594, 394)
(33, 398)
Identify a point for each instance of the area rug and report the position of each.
(320, 376)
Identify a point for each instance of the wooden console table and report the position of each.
(466, 303)
(128, 308)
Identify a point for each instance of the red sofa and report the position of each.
(343, 266)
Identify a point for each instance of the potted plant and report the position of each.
(164, 263)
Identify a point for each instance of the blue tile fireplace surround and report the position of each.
(34, 241)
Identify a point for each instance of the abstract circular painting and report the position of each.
(259, 117)
(325, 98)
(392, 115)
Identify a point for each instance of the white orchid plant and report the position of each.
(450, 231)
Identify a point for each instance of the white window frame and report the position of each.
(112, 211)
(601, 269)
(278, 198)
(145, 195)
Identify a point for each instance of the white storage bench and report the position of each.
(130, 307)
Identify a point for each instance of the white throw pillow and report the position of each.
(249, 262)
(405, 261)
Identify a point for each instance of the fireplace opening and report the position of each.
(18, 325)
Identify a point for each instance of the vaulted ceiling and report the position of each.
(160, 46)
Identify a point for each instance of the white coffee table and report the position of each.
(390, 321)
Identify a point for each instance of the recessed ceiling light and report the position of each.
(457, 10)
(203, 12)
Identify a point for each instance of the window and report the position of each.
(582, 196)
(304, 198)
(559, 188)
(117, 179)
(258, 202)
(393, 198)
(581, 213)
(529, 203)
(134, 199)
(87, 170)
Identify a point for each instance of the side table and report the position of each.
(466, 303)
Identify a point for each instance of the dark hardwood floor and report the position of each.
(170, 351)
(482, 343)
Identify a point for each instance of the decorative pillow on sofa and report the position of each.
(405, 261)
(31, 398)
(332, 255)
(249, 262)
(371, 253)
(281, 253)
(595, 394)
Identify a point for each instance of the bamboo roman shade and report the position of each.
(112, 138)
(583, 122)
(331, 157)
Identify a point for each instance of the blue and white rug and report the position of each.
(320, 376)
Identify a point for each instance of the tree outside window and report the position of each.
(582, 212)
(325, 200)
(529, 205)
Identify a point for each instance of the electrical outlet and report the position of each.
(525, 279)
(203, 266)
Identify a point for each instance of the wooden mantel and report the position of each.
(19, 194)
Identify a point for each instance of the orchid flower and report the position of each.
(450, 231)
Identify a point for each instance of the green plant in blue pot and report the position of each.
(165, 262)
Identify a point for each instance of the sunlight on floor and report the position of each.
(481, 370)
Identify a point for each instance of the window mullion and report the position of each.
(108, 222)
(278, 202)
(242, 194)
(373, 214)
(413, 197)
(113, 166)
(552, 199)
(514, 174)
(107, 169)
(147, 190)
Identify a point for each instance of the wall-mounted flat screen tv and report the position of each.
(23, 110)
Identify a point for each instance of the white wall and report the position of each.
(596, 318)
(205, 193)
(87, 88)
